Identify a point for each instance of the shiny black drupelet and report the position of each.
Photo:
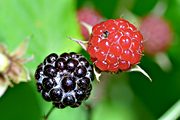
(65, 80)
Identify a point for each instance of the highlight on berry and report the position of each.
(65, 79)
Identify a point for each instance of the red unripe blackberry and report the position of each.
(157, 34)
(115, 45)
(89, 16)
(64, 80)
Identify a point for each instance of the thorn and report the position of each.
(137, 68)
(83, 44)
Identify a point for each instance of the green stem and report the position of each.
(49, 112)
(89, 111)
(173, 113)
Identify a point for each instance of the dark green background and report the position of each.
(127, 96)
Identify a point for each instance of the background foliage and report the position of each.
(128, 96)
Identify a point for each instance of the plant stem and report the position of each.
(89, 111)
(49, 112)
(173, 113)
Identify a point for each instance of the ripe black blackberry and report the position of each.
(65, 80)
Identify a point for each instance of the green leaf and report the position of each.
(49, 23)
(106, 111)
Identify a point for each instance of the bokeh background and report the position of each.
(124, 96)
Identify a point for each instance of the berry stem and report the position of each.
(49, 112)
(173, 113)
(89, 111)
(160, 8)
(163, 61)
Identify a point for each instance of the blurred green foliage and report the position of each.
(128, 96)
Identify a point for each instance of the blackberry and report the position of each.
(68, 84)
(51, 58)
(65, 80)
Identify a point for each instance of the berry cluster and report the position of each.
(65, 80)
(115, 45)
(157, 34)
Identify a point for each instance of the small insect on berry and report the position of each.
(115, 45)
(65, 80)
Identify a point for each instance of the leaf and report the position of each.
(49, 23)
(48, 27)
(113, 111)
